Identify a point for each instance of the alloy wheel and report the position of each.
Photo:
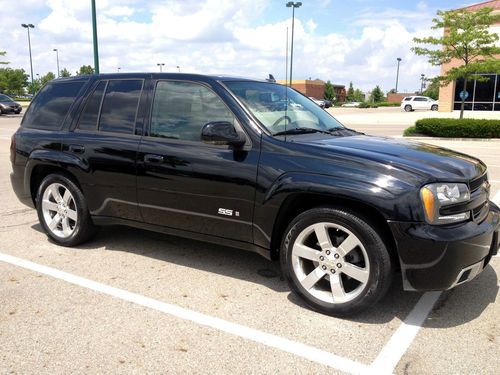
(59, 210)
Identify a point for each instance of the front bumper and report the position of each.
(9, 109)
(439, 258)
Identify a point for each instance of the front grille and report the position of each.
(476, 212)
(476, 183)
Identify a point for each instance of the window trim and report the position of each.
(238, 126)
(84, 107)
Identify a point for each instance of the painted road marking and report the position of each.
(496, 198)
(273, 341)
(399, 343)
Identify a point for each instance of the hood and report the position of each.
(10, 103)
(432, 162)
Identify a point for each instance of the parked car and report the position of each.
(411, 103)
(351, 104)
(319, 102)
(201, 157)
(8, 105)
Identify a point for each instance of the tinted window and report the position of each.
(88, 119)
(49, 108)
(485, 91)
(407, 99)
(180, 109)
(420, 99)
(4, 98)
(119, 107)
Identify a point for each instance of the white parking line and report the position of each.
(277, 342)
(394, 350)
(496, 198)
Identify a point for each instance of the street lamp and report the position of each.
(160, 65)
(94, 38)
(179, 68)
(397, 74)
(57, 57)
(29, 26)
(422, 79)
(119, 69)
(292, 5)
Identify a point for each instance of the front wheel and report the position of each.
(434, 107)
(335, 261)
(408, 108)
(62, 211)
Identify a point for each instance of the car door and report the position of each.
(186, 184)
(105, 142)
(419, 102)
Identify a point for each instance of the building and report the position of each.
(479, 96)
(316, 88)
(398, 97)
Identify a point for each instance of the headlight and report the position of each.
(435, 196)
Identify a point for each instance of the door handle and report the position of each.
(77, 149)
(150, 158)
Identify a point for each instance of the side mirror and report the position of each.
(221, 133)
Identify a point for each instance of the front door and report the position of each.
(186, 184)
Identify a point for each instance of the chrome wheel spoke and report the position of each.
(67, 197)
(311, 279)
(356, 272)
(323, 237)
(54, 191)
(348, 244)
(337, 287)
(59, 211)
(65, 227)
(55, 222)
(48, 205)
(72, 214)
(304, 251)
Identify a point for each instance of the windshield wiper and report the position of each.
(343, 131)
(293, 131)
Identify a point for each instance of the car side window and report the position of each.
(420, 99)
(180, 109)
(119, 107)
(90, 114)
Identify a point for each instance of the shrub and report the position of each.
(388, 104)
(367, 105)
(458, 128)
(411, 131)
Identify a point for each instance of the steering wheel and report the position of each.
(281, 119)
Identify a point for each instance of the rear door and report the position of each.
(186, 184)
(105, 140)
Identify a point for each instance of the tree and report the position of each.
(13, 81)
(468, 40)
(329, 91)
(432, 90)
(46, 78)
(65, 73)
(350, 93)
(3, 53)
(377, 95)
(358, 96)
(85, 69)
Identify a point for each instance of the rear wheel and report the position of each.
(434, 107)
(408, 108)
(62, 211)
(335, 261)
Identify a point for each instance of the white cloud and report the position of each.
(218, 37)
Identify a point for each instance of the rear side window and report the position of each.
(119, 108)
(51, 105)
(407, 99)
(89, 116)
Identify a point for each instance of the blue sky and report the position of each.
(341, 41)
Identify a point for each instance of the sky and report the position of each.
(336, 40)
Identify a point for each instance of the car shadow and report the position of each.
(455, 307)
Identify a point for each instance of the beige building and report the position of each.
(479, 96)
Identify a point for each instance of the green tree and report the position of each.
(350, 93)
(46, 78)
(65, 73)
(329, 91)
(377, 95)
(3, 53)
(358, 96)
(467, 39)
(432, 90)
(13, 81)
(85, 69)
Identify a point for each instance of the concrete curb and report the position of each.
(449, 139)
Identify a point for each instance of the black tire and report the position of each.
(408, 108)
(380, 268)
(83, 229)
(434, 107)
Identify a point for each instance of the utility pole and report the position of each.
(57, 57)
(94, 35)
(292, 5)
(397, 74)
(29, 26)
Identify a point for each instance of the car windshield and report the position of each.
(281, 109)
(4, 98)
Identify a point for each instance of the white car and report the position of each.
(319, 102)
(351, 104)
(411, 103)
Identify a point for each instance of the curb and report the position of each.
(449, 139)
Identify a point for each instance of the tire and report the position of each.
(434, 107)
(309, 267)
(63, 212)
(408, 108)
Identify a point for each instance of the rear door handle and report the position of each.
(77, 149)
(154, 159)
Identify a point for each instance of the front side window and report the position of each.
(280, 108)
(180, 109)
(4, 98)
(50, 106)
(119, 108)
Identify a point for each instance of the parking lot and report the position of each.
(135, 301)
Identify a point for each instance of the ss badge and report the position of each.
(228, 212)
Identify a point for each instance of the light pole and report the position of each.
(29, 26)
(160, 65)
(57, 58)
(292, 5)
(119, 69)
(179, 68)
(94, 38)
(422, 78)
(397, 74)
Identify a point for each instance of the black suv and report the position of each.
(215, 159)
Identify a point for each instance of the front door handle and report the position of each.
(154, 159)
(77, 149)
